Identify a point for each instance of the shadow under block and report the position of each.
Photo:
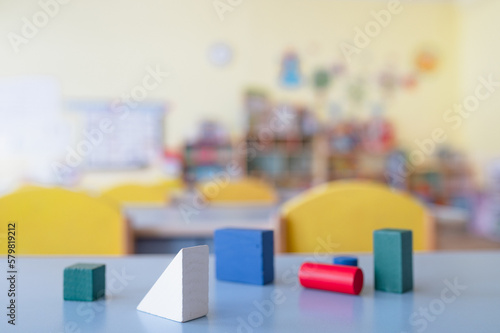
(393, 260)
(181, 292)
(84, 282)
(244, 255)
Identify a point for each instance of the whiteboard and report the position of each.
(136, 137)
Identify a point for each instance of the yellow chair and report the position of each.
(51, 221)
(341, 217)
(244, 191)
(143, 195)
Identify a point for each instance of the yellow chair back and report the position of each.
(144, 195)
(341, 217)
(244, 191)
(51, 221)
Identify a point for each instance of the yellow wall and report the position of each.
(100, 49)
(481, 54)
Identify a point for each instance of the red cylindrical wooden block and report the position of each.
(338, 278)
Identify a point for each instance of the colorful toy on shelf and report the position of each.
(211, 132)
(344, 137)
(396, 170)
(258, 109)
(209, 152)
(181, 292)
(393, 260)
(307, 122)
(171, 164)
(284, 156)
(337, 278)
(487, 212)
(345, 260)
(84, 282)
(244, 255)
(378, 134)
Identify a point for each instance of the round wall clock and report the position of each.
(220, 54)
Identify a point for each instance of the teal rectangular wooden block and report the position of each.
(393, 260)
(84, 282)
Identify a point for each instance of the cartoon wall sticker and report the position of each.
(290, 75)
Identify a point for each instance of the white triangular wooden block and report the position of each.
(181, 292)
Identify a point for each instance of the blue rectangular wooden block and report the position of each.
(244, 255)
(84, 282)
(393, 260)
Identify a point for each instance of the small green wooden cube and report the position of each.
(393, 260)
(84, 282)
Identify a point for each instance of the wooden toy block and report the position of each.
(181, 292)
(345, 260)
(84, 282)
(337, 278)
(244, 255)
(393, 260)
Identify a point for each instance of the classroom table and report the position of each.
(283, 306)
(173, 221)
(168, 229)
(182, 218)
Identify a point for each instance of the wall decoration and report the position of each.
(388, 82)
(290, 76)
(426, 60)
(357, 90)
(409, 81)
(338, 69)
(220, 54)
(321, 79)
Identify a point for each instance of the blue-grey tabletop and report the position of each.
(454, 292)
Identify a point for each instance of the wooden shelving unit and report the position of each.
(283, 155)
(447, 180)
(283, 162)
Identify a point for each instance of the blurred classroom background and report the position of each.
(193, 115)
